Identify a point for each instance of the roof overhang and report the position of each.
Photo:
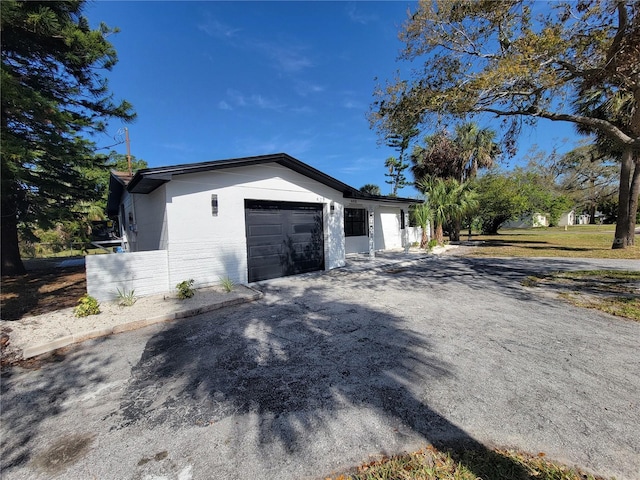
(147, 180)
(117, 185)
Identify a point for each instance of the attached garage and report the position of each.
(283, 238)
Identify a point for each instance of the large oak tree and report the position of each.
(523, 60)
(54, 97)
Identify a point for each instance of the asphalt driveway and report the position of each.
(329, 369)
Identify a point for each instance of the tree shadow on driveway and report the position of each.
(29, 401)
(295, 364)
(500, 275)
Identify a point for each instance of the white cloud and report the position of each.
(353, 105)
(303, 88)
(276, 144)
(289, 58)
(240, 100)
(217, 29)
(358, 16)
(358, 165)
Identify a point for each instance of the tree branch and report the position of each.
(606, 127)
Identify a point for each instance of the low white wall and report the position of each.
(145, 272)
(207, 262)
(415, 235)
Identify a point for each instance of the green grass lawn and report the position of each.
(587, 241)
(611, 291)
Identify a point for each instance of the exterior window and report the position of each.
(402, 226)
(355, 222)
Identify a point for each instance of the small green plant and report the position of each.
(125, 298)
(185, 289)
(87, 305)
(227, 284)
(432, 243)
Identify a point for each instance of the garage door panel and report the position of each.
(265, 272)
(265, 251)
(283, 238)
(259, 230)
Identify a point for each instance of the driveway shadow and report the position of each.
(294, 364)
(500, 275)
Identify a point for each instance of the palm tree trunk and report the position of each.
(456, 226)
(439, 234)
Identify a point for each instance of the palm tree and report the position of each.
(422, 216)
(478, 148)
(371, 189)
(449, 200)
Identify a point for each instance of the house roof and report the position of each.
(147, 180)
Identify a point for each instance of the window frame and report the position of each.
(356, 226)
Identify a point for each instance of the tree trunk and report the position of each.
(424, 240)
(633, 201)
(491, 226)
(592, 201)
(624, 200)
(439, 234)
(592, 213)
(456, 225)
(10, 253)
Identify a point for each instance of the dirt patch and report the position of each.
(41, 291)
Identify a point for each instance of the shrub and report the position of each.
(185, 289)
(432, 243)
(87, 305)
(126, 299)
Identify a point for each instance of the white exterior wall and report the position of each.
(568, 218)
(386, 231)
(387, 228)
(151, 220)
(415, 234)
(206, 247)
(144, 272)
(357, 244)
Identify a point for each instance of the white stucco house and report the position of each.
(248, 219)
(533, 220)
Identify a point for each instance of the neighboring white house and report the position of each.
(528, 221)
(567, 219)
(247, 219)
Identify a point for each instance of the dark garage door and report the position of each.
(283, 238)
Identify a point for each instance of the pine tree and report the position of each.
(53, 97)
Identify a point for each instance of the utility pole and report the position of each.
(126, 137)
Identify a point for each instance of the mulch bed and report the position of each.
(45, 288)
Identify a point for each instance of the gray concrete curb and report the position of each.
(50, 346)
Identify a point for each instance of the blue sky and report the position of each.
(215, 80)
